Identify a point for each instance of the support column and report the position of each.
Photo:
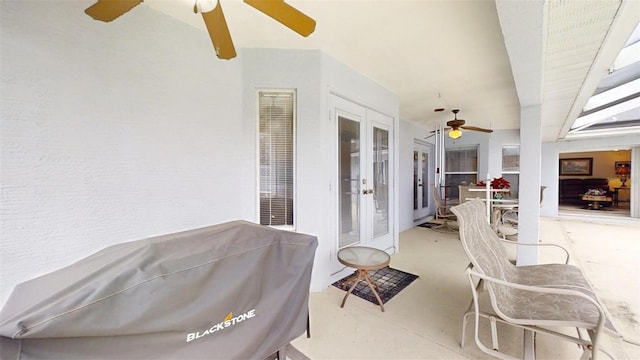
(524, 39)
(530, 174)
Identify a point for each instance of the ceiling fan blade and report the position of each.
(219, 33)
(474, 128)
(286, 15)
(109, 10)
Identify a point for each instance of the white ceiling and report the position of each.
(452, 54)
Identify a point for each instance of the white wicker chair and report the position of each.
(541, 298)
(444, 217)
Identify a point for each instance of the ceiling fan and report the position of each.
(211, 10)
(456, 124)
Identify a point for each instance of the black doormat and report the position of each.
(391, 281)
(428, 225)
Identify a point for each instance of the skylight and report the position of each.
(614, 107)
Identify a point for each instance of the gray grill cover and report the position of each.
(231, 291)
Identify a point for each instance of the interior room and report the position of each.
(608, 171)
(151, 118)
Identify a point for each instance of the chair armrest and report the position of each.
(550, 289)
(566, 252)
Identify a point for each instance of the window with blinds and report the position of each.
(461, 168)
(276, 111)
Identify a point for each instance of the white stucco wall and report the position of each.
(110, 133)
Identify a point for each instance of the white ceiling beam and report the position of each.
(522, 24)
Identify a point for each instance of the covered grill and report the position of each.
(231, 291)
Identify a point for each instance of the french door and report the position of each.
(421, 180)
(364, 175)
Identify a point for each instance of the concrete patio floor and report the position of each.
(424, 321)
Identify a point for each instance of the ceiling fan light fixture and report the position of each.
(205, 6)
(455, 133)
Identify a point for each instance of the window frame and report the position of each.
(511, 172)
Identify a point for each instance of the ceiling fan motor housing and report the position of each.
(455, 123)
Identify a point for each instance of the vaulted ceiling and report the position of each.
(483, 57)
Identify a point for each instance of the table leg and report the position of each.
(362, 274)
(370, 280)
(354, 277)
(373, 290)
(351, 288)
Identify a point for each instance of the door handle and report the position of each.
(367, 191)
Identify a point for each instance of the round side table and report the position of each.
(363, 259)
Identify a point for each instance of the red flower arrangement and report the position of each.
(497, 183)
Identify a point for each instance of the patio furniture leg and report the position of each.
(468, 312)
(351, 288)
(494, 334)
(353, 277)
(373, 290)
(371, 281)
(465, 321)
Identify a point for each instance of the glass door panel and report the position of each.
(417, 184)
(425, 176)
(421, 187)
(349, 186)
(380, 164)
